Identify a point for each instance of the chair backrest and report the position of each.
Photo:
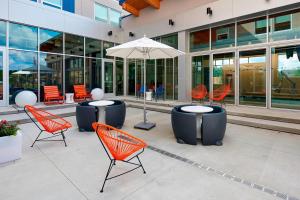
(119, 143)
(51, 123)
(143, 90)
(51, 91)
(160, 89)
(222, 91)
(199, 91)
(80, 90)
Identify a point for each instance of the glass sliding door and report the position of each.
(119, 77)
(160, 78)
(224, 74)
(74, 72)
(93, 73)
(139, 75)
(2, 74)
(169, 79)
(252, 66)
(200, 71)
(131, 85)
(286, 77)
(108, 69)
(150, 75)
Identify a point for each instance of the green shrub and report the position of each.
(7, 129)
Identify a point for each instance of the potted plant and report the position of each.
(10, 142)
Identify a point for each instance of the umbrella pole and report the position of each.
(145, 125)
(145, 113)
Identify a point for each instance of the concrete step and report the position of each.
(287, 116)
(280, 126)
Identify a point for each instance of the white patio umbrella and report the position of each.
(144, 48)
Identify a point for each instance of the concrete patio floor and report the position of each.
(252, 164)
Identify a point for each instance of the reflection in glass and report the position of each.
(114, 16)
(108, 77)
(1, 75)
(176, 79)
(199, 40)
(160, 78)
(139, 76)
(150, 75)
(223, 36)
(51, 41)
(119, 77)
(171, 40)
(93, 75)
(101, 12)
(286, 77)
(2, 33)
(107, 45)
(200, 71)
(74, 72)
(131, 77)
(285, 26)
(252, 31)
(51, 71)
(253, 77)
(93, 48)
(223, 73)
(74, 44)
(23, 71)
(169, 79)
(23, 37)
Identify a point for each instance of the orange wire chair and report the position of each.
(49, 123)
(80, 93)
(52, 95)
(220, 93)
(119, 146)
(199, 92)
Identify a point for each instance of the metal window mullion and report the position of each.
(155, 75)
(165, 81)
(211, 74)
(237, 78)
(6, 74)
(268, 78)
(38, 65)
(63, 67)
(173, 80)
(84, 62)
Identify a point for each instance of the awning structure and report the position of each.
(134, 6)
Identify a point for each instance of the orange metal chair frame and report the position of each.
(119, 146)
(220, 93)
(80, 92)
(199, 92)
(52, 95)
(52, 124)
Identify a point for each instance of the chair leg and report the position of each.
(108, 171)
(141, 164)
(64, 138)
(36, 138)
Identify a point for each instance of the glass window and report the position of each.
(2, 33)
(160, 78)
(74, 45)
(1, 74)
(51, 41)
(93, 73)
(107, 45)
(131, 77)
(74, 72)
(223, 36)
(199, 40)
(108, 77)
(114, 16)
(139, 75)
(253, 78)
(286, 77)
(93, 48)
(53, 3)
(169, 79)
(171, 40)
(101, 12)
(23, 71)
(51, 71)
(176, 79)
(200, 71)
(252, 31)
(285, 26)
(150, 75)
(23, 37)
(119, 77)
(224, 74)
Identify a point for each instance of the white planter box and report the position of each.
(10, 148)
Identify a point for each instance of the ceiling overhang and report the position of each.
(134, 6)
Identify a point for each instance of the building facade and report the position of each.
(254, 48)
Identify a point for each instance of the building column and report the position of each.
(184, 68)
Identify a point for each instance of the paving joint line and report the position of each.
(231, 177)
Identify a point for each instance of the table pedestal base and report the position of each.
(145, 125)
(101, 114)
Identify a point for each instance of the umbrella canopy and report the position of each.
(144, 48)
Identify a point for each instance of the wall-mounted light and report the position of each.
(171, 22)
(109, 33)
(131, 34)
(209, 11)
